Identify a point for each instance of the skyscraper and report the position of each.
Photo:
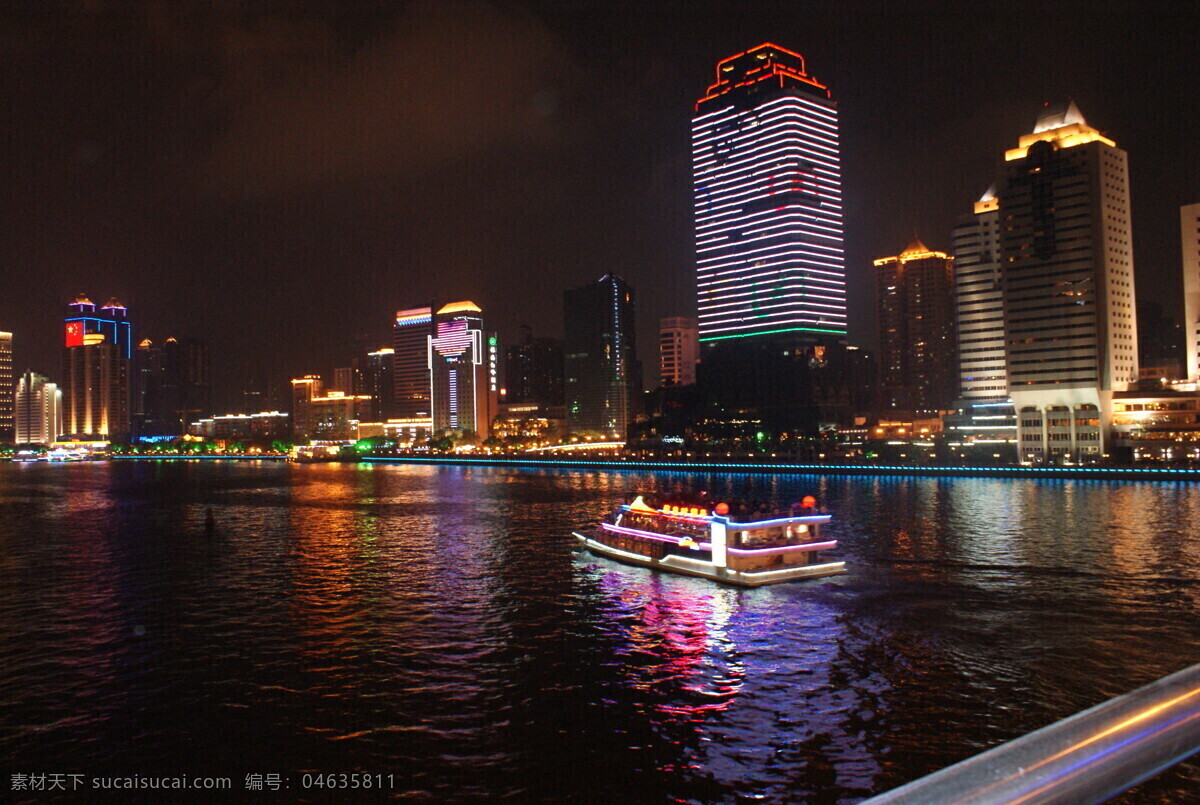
(463, 363)
(768, 201)
(96, 371)
(678, 351)
(1067, 279)
(304, 391)
(603, 376)
(1189, 227)
(980, 302)
(533, 370)
(174, 385)
(916, 329)
(377, 374)
(38, 410)
(7, 432)
(410, 362)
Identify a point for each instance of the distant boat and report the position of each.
(751, 551)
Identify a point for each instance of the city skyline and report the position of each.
(256, 252)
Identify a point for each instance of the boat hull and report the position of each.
(697, 567)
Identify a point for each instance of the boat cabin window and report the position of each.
(773, 535)
(659, 524)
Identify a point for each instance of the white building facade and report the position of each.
(38, 410)
(1066, 254)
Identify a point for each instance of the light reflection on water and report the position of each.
(437, 623)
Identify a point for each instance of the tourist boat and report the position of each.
(749, 550)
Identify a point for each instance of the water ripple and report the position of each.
(436, 623)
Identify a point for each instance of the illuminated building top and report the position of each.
(987, 201)
(1063, 126)
(84, 326)
(459, 307)
(416, 315)
(744, 72)
(914, 251)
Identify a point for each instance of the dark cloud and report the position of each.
(450, 81)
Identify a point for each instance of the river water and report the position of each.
(437, 624)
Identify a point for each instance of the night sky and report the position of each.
(278, 178)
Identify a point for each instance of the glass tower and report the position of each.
(768, 200)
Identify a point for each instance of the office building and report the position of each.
(603, 381)
(917, 345)
(96, 371)
(304, 391)
(463, 367)
(768, 208)
(376, 374)
(7, 431)
(371, 374)
(983, 421)
(148, 407)
(411, 331)
(678, 351)
(979, 300)
(1189, 227)
(38, 410)
(533, 370)
(1067, 278)
(174, 385)
(265, 426)
(335, 416)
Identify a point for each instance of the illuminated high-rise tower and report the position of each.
(1070, 321)
(916, 329)
(38, 410)
(463, 362)
(410, 362)
(982, 374)
(6, 388)
(768, 200)
(96, 375)
(603, 377)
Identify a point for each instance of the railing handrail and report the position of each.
(1088, 757)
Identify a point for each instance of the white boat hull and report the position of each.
(704, 569)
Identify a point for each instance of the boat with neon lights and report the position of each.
(747, 549)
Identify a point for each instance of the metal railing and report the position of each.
(1089, 757)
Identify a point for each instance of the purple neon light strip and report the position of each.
(807, 546)
(707, 546)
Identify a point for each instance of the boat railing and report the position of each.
(1089, 757)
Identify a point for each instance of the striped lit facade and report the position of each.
(768, 200)
(410, 362)
(6, 387)
(982, 375)
(463, 360)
